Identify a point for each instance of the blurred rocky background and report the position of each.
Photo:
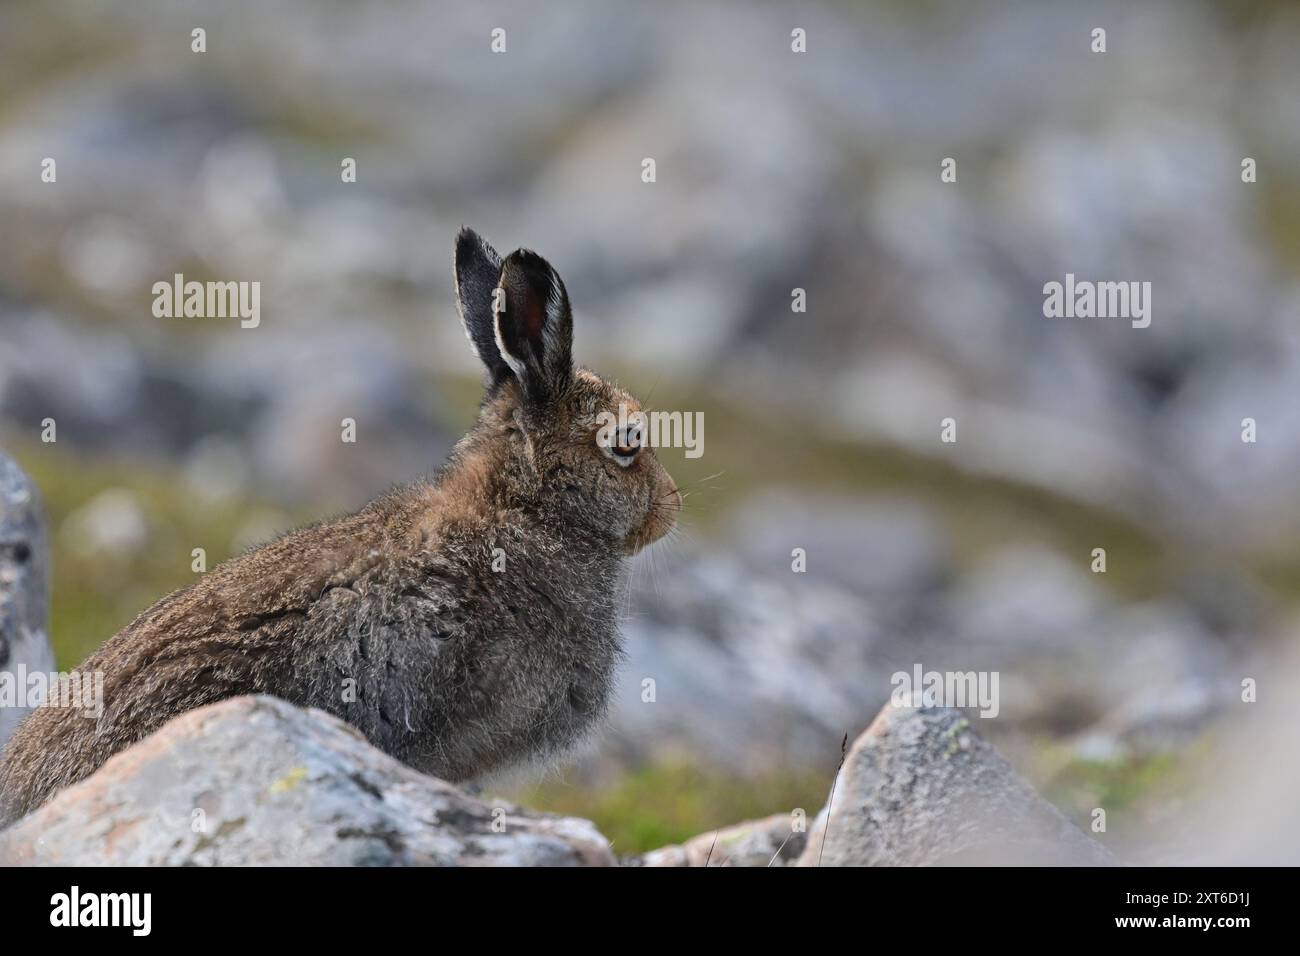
(775, 170)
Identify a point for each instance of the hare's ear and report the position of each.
(534, 325)
(478, 267)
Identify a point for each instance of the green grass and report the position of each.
(1115, 785)
(1136, 792)
(671, 801)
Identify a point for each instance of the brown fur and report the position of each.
(455, 668)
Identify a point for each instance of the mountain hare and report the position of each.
(463, 624)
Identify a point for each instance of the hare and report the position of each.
(464, 624)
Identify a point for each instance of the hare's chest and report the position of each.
(552, 661)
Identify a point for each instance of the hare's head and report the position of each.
(571, 442)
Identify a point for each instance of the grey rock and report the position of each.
(888, 548)
(24, 590)
(257, 781)
(1027, 596)
(1070, 654)
(921, 787)
(771, 841)
(802, 656)
(750, 667)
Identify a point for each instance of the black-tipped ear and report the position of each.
(534, 325)
(478, 268)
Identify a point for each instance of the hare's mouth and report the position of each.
(660, 520)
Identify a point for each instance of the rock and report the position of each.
(1026, 595)
(1165, 677)
(24, 589)
(921, 787)
(888, 548)
(772, 841)
(801, 659)
(257, 781)
(803, 656)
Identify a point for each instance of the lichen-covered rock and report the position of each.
(771, 841)
(24, 591)
(921, 787)
(254, 780)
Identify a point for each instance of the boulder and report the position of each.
(921, 787)
(24, 591)
(257, 781)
